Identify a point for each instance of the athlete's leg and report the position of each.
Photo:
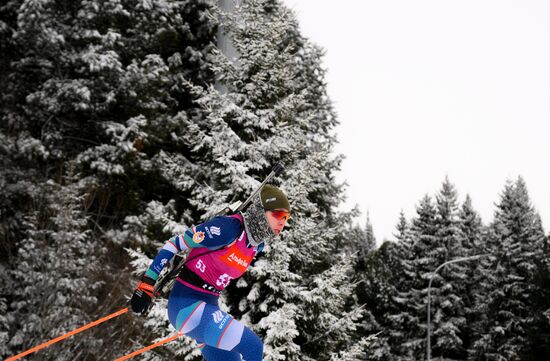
(221, 331)
(251, 346)
(206, 323)
(185, 315)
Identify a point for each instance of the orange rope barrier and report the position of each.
(68, 334)
(142, 350)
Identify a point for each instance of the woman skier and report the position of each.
(221, 251)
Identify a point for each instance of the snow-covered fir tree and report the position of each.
(121, 124)
(377, 291)
(274, 107)
(370, 239)
(538, 334)
(448, 287)
(398, 321)
(380, 272)
(516, 243)
(97, 87)
(461, 233)
(473, 236)
(360, 241)
(434, 237)
(58, 285)
(410, 319)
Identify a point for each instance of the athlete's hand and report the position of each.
(143, 295)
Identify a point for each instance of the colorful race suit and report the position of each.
(219, 253)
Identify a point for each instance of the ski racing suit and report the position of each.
(219, 253)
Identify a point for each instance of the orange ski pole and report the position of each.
(68, 334)
(150, 347)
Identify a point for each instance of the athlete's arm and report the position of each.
(215, 233)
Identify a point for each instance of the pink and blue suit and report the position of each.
(220, 253)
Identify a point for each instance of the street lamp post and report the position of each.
(457, 260)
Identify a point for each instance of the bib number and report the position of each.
(223, 280)
(201, 266)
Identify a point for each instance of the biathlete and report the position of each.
(221, 251)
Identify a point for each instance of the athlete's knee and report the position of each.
(251, 346)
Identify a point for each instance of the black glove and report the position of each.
(143, 295)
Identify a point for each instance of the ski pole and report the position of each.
(68, 334)
(150, 347)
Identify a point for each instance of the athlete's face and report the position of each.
(277, 219)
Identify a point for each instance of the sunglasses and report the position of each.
(281, 215)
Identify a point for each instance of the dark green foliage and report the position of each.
(93, 93)
(492, 308)
(516, 243)
(112, 113)
(121, 124)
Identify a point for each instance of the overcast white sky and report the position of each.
(425, 89)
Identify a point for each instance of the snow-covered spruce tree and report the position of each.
(396, 275)
(356, 242)
(360, 241)
(15, 190)
(42, 221)
(273, 107)
(403, 236)
(370, 240)
(381, 273)
(516, 243)
(434, 237)
(448, 288)
(379, 291)
(538, 334)
(11, 220)
(99, 85)
(373, 269)
(307, 256)
(473, 240)
(471, 228)
(54, 291)
(409, 322)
